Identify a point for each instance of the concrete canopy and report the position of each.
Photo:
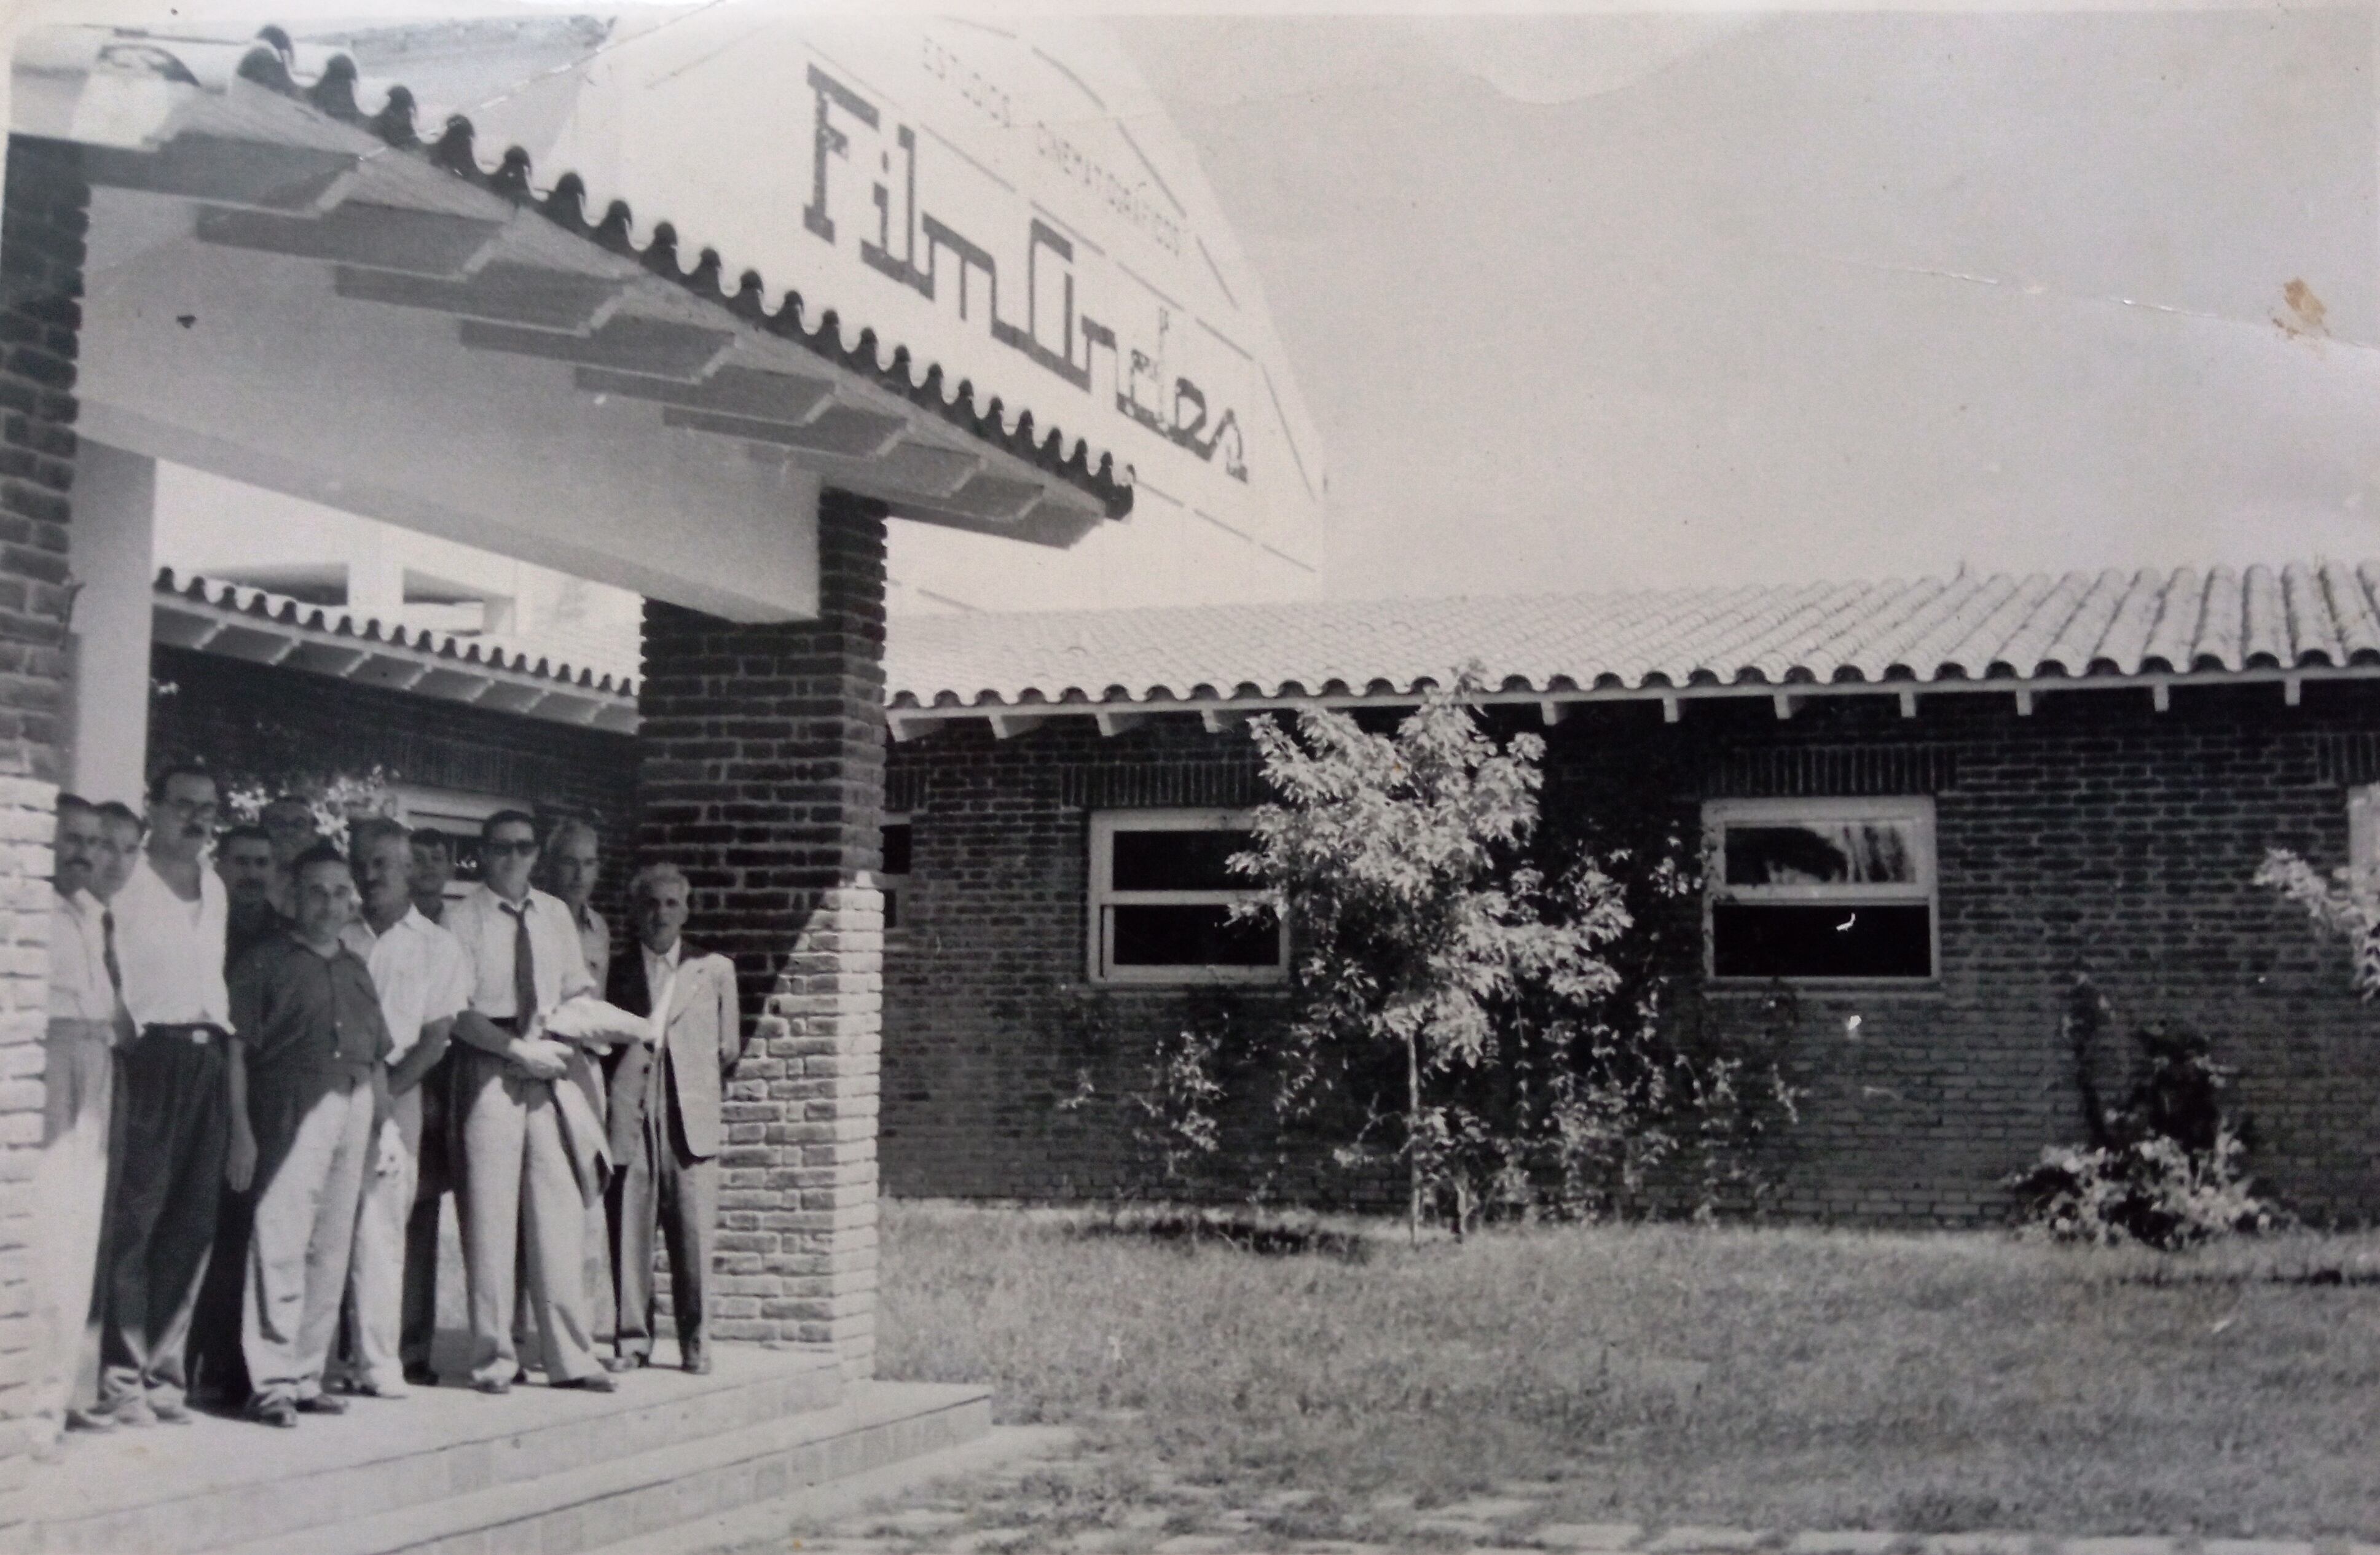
(284, 291)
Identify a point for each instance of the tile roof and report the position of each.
(888, 364)
(1965, 628)
(228, 618)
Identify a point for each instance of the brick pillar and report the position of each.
(42, 220)
(761, 775)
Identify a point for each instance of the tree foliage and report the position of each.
(1431, 935)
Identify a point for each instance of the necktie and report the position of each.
(524, 966)
(107, 949)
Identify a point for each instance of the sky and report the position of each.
(1619, 302)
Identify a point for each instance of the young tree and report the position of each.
(1419, 925)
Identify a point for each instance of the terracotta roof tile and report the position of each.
(2310, 613)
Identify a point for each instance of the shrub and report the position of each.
(2164, 1167)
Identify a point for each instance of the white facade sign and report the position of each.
(1006, 201)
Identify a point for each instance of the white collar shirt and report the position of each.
(171, 950)
(659, 967)
(485, 924)
(595, 946)
(79, 986)
(419, 972)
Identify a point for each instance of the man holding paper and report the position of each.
(528, 1109)
(666, 1122)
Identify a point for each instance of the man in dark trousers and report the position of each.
(433, 869)
(170, 919)
(311, 1092)
(666, 1127)
(245, 858)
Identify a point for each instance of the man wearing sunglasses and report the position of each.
(531, 1155)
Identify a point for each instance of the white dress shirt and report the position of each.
(595, 944)
(419, 972)
(79, 986)
(171, 951)
(485, 925)
(660, 983)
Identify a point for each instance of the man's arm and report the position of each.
(731, 1018)
(406, 1071)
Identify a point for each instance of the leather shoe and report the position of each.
(593, 1383)
(625, 1362)
(274, 1412)
(491, 1385)
(322, 1403)
(420, 1375)
(172, 1414)
(699, 1364)
(88, 1420)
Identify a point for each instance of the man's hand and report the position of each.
(540, 1058)
(391, 1157)
(239, 1162)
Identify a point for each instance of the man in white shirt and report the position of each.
(78, 1087)
(520, 1149)
(178, 1075)
(424, 982)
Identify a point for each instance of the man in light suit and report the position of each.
(665, 1128)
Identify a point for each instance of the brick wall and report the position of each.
(762, 777)
(42, 227)
(244, 719)
(2097, 833)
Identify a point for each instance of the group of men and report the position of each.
(264, 1069)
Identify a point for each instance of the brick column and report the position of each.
(47, 211)
(761, 775)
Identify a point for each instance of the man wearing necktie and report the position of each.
(532, 1150)
(665, 1120)
(86, 1022)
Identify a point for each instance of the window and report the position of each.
(456, 813)
(1821, 889)
(1161, 895)
(892, 880)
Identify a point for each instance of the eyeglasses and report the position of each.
(519, 850)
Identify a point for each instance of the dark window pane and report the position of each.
(896, 848)
(893, 909)
(1821, 941)
(1178, 861)
(1817, 852)
(1194, 936)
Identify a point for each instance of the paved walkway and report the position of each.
(1067, 1501)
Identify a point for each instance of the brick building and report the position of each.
(282, 261)
(2009, 780)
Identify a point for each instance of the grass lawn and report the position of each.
(1776, 1378)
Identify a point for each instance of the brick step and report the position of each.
(183, 1490)
(602, 1503)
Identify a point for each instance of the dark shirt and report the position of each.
(245, 929)
(303, 1015)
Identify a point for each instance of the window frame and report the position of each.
(1915, 810)
(893, 887)
(1100, 897)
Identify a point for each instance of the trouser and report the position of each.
(162, 1212)
(218, 1363)
(376, 1273)
(69, 1208)
(664, 1187)
(436, 1174)
(298, 1253)
(520, 1196)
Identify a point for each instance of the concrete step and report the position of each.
(626, 1497)
(766, 1523)
(210, 1486)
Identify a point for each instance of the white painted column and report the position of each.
(111, 550)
